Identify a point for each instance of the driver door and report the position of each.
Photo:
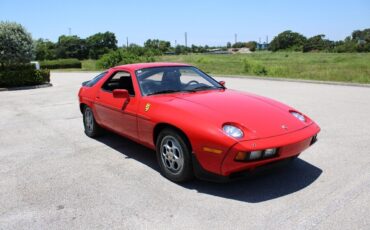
(115, 113)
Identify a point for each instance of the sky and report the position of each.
(206, 22)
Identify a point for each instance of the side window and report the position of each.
(119, 80)
(93, 81)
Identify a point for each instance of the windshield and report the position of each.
(172, 79)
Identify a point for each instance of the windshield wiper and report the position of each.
(202, 87)
(163, 91)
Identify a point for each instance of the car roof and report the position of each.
(138, 66)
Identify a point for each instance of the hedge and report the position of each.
(23, 77)
(61, 64)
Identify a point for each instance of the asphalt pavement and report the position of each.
(52, 176)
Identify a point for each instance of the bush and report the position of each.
(110, 59)
(61, 64)
(253, 67)
(27, 66)
(16, 44)
(259, 69)
(247, 66)
(124, 56)
(23, 77)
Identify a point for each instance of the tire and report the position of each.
(174, 156)
(92, 129)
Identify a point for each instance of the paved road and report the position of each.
(54, 177)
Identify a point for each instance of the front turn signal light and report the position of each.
(241, 156)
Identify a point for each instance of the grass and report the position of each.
(89, 65)
(344, 67)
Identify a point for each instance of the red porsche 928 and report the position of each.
(196, 125)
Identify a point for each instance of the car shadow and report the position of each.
(275, 183)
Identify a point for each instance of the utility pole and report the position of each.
(236, 37)
(186, 39)
(267, 39)
(175, 43)
(127, 42)
(69, 31)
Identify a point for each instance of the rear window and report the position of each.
(93, 81)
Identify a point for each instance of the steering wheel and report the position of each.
(190, 82)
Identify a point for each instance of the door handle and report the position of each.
(97, 97)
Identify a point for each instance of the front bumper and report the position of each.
(208, 176)
(288, 145)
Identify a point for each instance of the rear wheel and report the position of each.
(92, 129)
(173, 156)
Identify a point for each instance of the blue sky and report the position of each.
(206, 22)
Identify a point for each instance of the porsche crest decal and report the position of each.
(147, 107)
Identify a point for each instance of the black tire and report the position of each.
(174, 162)
(92, 129)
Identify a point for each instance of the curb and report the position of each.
(296, 80)
(27, 87)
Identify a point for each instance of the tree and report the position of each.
(251, 45)
(287, 40)
(359, 41)
(317, 43)
(228, 45)
(238, 45)
(45, 49)
(198, 49)
(361, 35)
(71, 47)
(16, 45)
(181, 49)
(362, 40)
(162, 46)
(101, 43)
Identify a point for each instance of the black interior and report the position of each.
(124, 82)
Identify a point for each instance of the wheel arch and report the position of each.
(82, 107)
(161, 126)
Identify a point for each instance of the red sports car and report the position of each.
(196, 125)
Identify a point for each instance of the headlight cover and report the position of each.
(233, 131)
(298, 116)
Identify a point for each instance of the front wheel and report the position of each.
(173, 156)
(92, 129)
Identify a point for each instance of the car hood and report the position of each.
(259, 117)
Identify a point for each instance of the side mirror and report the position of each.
(121, 93)
(222, 83)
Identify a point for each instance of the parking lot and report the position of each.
(52, 176)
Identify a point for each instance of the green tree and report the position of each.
(16, 45)
(71, 47)
(101, 43)
(359, 41)
(288, 40)
(181, 49)
(317, 43)
(45, 49)
(156, 44)
(239, 45)
(252, 45)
